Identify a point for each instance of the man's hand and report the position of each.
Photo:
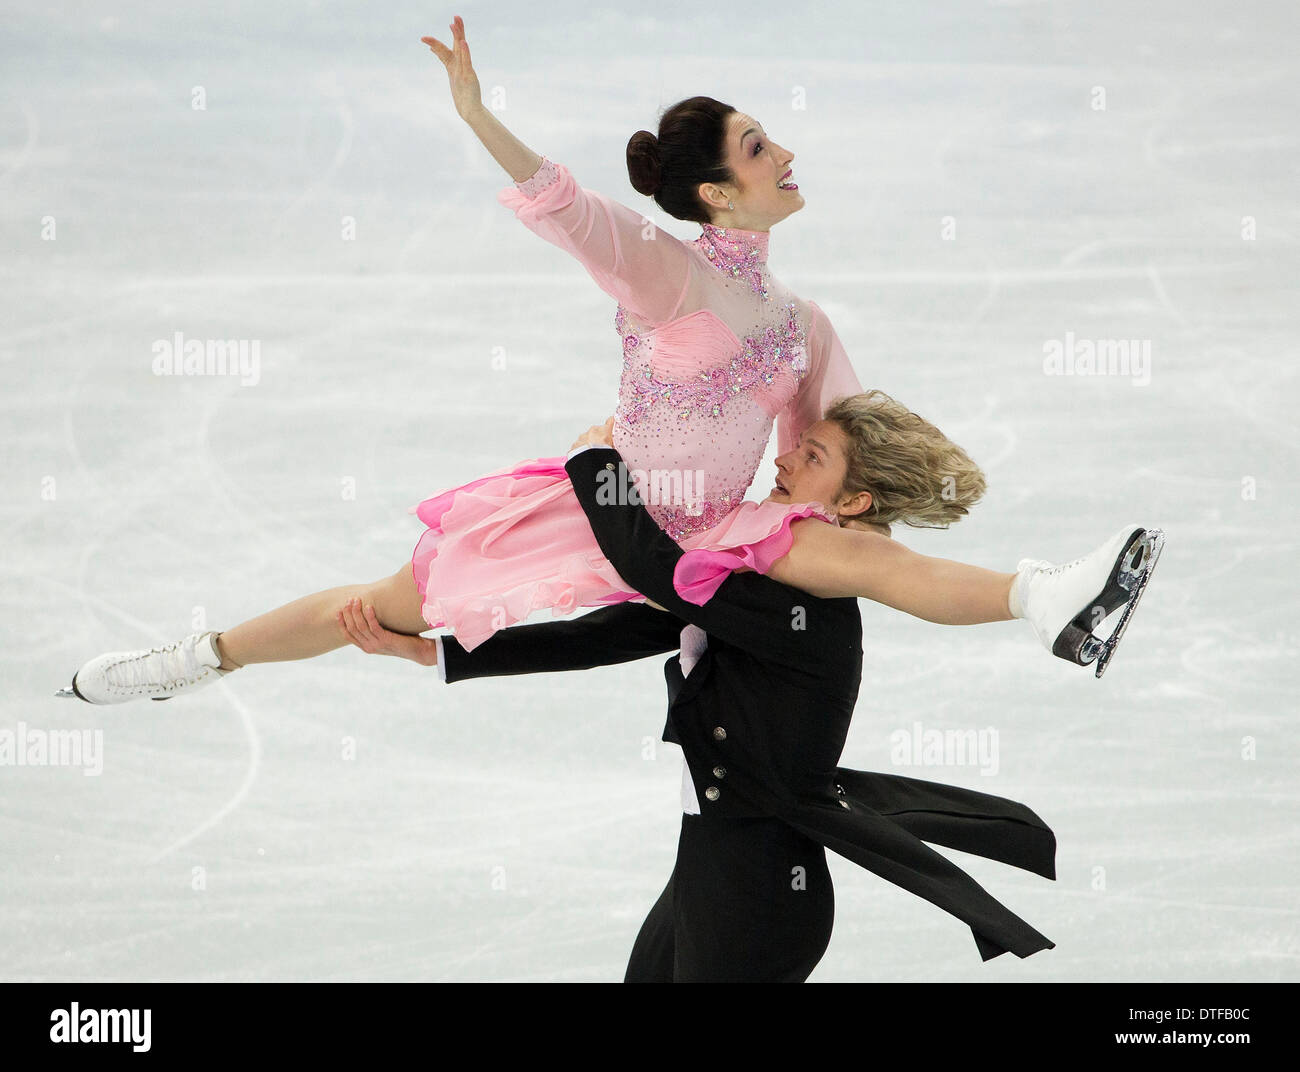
(363, 630)
(598, 435)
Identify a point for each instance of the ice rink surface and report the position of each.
(971, 196)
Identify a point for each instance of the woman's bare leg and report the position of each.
(827, 561)
(308, 627)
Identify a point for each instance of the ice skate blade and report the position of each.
(1153, 543)
(1076, 642)
(70, 692)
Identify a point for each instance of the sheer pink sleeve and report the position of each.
(644, 268)
(829, 376)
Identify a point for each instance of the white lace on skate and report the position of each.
(1043, 567)
(156, 673)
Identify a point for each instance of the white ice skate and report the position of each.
(1066, 603)
(156, 673)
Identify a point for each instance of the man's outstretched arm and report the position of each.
(616, 634)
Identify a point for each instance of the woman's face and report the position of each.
(814, 471)
(763, 192)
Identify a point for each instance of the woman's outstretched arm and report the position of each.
(829, 562)
(645, 269)
(519, 161)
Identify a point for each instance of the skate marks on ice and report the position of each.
(246, 723)
(321, 177)
(24, 153)
(80, 591)
(241, 792)
(1184, 675)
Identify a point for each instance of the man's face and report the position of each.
(814, 471)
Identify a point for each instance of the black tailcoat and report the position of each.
(762, 717)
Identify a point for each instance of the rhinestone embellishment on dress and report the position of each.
(761, 357)
(740, 254)
(683, 521)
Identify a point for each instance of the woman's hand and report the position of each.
(598, 435)
(363, 630)
(465, 92)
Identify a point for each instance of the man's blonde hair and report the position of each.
(916, 474)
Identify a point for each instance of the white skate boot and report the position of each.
(1066, 603)
(156, 673)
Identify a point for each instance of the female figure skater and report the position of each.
(715, 350)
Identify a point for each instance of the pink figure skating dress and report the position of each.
(715, 350)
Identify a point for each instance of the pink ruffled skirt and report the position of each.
(517, 541)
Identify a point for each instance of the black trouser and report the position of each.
(749, 900)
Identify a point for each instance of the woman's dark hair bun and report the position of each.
(689, 150)
(643, 163)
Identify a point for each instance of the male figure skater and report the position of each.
(760, 700)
